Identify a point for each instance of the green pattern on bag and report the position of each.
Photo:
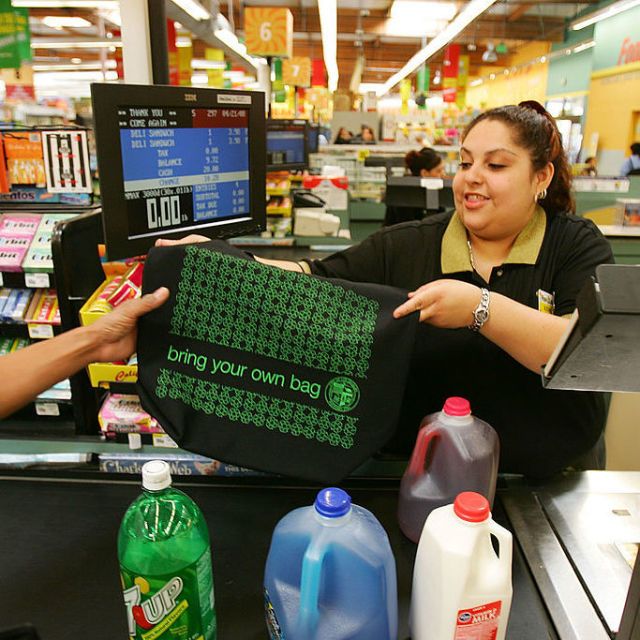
(275, 313)
(256, 409)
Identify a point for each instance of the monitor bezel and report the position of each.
(290, 166)
(107, 98)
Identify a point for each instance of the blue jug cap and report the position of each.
(332, 502)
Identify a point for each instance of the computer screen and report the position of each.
(178, 160)
(287, 145)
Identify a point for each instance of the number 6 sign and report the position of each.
(268, 31)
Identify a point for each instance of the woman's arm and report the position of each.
(527, 335)
(29, 371)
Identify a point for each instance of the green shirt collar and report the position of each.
(455, 251)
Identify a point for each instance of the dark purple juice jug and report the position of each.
(454, 452)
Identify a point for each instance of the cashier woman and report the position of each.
(28, 372)
(495, 282)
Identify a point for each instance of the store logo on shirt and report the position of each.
(342, 394)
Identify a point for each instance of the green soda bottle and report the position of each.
(165, 563)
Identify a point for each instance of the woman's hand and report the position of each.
(115, 333)
(448, 304)
(190, 239)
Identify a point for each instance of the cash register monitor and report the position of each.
(178, 160)
(287, 145)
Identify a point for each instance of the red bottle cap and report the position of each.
(471, 506)
(456, 406)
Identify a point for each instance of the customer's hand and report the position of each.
(115, 334)
(448, 304)
(190, 239)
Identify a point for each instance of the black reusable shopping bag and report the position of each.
(270, 369)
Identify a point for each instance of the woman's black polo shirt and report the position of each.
(541, 430)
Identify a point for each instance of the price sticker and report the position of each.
(163, 440)
(47, 409)
(1, 280)
(37, 280)
(135, 441)
(40, 331)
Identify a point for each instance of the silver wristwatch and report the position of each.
(481, 313)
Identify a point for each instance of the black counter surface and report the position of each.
(59, 570)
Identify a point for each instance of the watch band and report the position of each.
(481, 313)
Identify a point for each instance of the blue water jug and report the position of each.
(330, 574)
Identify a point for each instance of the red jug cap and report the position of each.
(456, 406)
(471, 506)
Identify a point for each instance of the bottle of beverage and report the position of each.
(330, 574)
(165, 563)
(461, 586)
(454, 452)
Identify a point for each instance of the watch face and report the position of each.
(481, 315)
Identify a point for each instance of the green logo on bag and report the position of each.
(342, 394)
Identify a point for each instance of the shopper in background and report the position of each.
(366, 136)
(494, 282)
(344, 136)
(590, 167)
(425, 163)
(631, 166)
(29, 371)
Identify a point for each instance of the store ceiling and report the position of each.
(363, 30)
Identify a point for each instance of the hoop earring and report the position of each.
(541, 196)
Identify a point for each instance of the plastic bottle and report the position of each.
(461, 588)
(165, 562)
(454, 452)
(330, 574)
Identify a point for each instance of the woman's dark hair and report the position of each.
(535, 129)
(635, 148)
(426, 158)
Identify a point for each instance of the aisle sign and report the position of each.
(450, 72)
(268, 31)
(215, 76)
(405, 94)
(297, 71)
(185, 54)
(15, 40)
(463, 76)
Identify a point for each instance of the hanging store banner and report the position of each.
(15, 38)
(268, 31)
(172, 50)
(19, 84)
(297, 71)
(318, 73)
(185, 55)
(463, 77)
(216, 76)
(405, 94)
(450, 72)
(277, 83)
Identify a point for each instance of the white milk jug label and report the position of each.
(478, 623)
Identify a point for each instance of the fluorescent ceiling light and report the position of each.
(584, 46)
(62, 4)
(84, 66)
(413, 28)
(329, 26)
(604, 13)
(111, 15)
(230, 39)
(59, 22)
(198, 63)
(66, 43)
(193, 8)
(419, 10)
(366, 87)
(462, 20)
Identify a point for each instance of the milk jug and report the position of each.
(461, 586)
(454, 452)
(330, 574)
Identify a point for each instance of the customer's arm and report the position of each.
(29, 371)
